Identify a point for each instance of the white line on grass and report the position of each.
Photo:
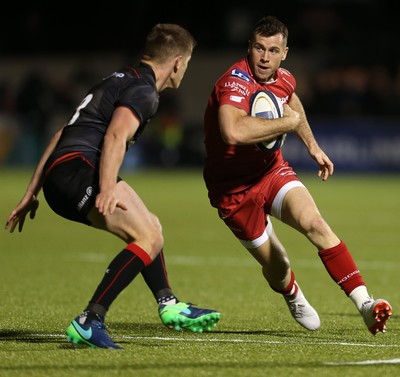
(366, 362)
(215, 340)
(211, 340)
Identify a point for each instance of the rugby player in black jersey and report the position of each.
(79, 170)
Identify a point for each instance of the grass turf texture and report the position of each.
(50, 270)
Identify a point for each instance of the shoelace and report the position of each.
(100, 325)
(297, 309)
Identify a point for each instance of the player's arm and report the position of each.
(29, 203)
(238, 128)
(122, 127)
(305, 134)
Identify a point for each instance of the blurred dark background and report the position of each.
(343, 54)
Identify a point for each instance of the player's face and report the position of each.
(265, 56)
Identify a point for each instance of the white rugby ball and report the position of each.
(266, 104)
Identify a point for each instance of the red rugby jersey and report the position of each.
(230, 168)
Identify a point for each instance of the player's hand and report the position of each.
(107, 201)
(326, 166)
(28, 204)
(291, 115)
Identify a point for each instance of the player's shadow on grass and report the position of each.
(29, 336)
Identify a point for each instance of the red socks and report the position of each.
(341, 267)
(291, 289)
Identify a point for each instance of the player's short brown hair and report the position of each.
(167, 40)
(269, 26)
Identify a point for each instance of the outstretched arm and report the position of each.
(305, 134)
(29, 202)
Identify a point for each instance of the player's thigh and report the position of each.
(299, 209)
(133, 224)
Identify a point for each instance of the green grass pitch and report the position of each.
(50, 270)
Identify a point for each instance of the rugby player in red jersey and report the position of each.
(79, 175)
(249, 186)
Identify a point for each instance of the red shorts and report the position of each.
(246, 213)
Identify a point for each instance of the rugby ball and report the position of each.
(266, 104)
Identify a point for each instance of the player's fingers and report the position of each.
(116, 203)
(106, 207)
(110, 209)
(10, 217)
(104, 204)
(322, 173)
(103, 209)
(11, 224)
(122, 206)
(325, 173)
(100, 205)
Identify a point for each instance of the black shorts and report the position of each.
(71, 186)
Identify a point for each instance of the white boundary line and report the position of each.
(215, 340)
(254, 341)
(366, 362)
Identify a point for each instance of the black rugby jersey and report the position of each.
(133, 87)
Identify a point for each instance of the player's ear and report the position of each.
(178, 63)
(285, 53)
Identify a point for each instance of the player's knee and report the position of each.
(148, 237)
(317, 226)
(153, 236)
(156, 222)
(151, 242)
(157, 242)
